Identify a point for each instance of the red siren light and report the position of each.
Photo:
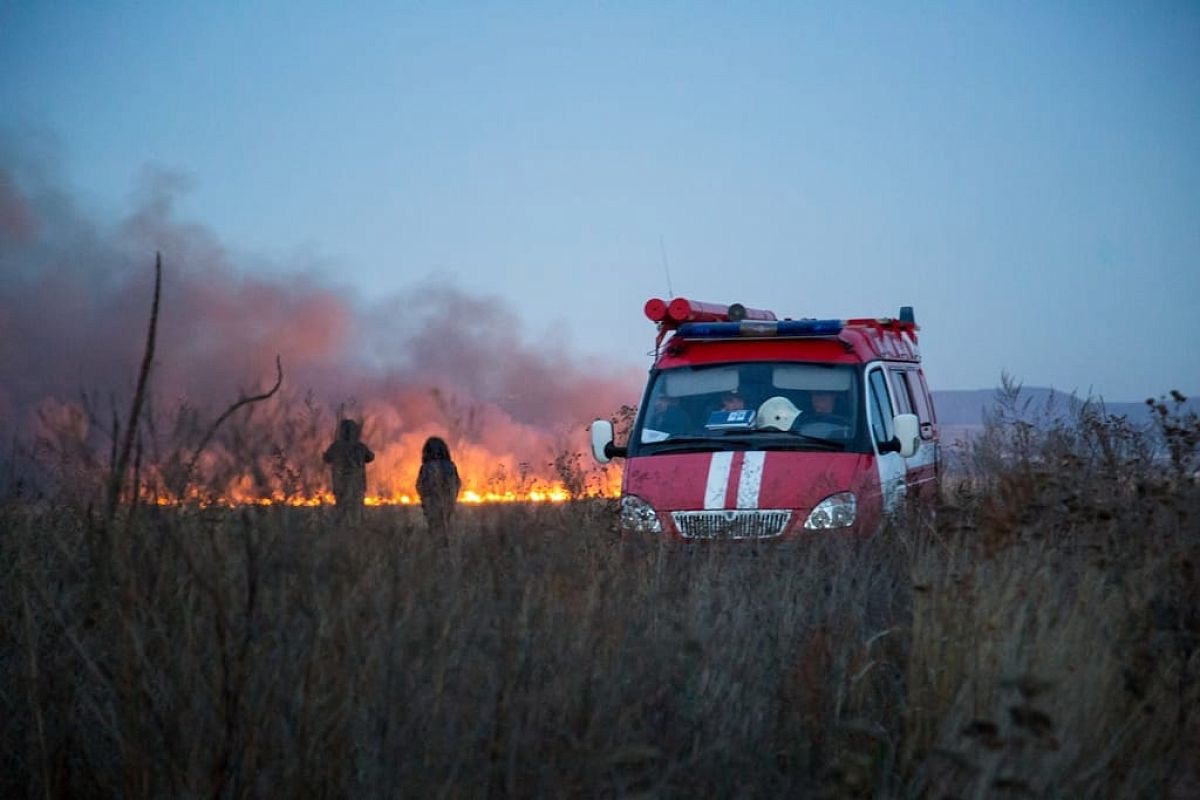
(656, 309)
(683, 310)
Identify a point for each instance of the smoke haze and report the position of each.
(434, 360)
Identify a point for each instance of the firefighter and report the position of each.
(668, 416)
(826, 405)
(732, 401)
(438, 485)
(822, 402)
(348, 457)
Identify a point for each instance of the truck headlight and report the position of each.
(835, 511)
(638, 516)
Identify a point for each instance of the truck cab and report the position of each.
(754, 427)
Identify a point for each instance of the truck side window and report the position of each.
(929, 415)
(923, 407)
(880, 408)
(903, 394)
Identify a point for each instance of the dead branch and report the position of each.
(117, 477)
(212, 430)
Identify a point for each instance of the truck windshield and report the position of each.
(760, 405)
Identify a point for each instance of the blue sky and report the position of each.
(1027, 175)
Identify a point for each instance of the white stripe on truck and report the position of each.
(750, 481)
(718, 480)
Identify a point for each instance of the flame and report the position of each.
(553, 494)
(507, 463)
(603, 483)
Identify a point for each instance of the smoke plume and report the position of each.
(432, 360)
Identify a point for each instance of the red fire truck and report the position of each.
(754, 427)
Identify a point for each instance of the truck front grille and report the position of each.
(731, 524)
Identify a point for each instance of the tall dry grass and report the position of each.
(1056, 610)
(1037, 636)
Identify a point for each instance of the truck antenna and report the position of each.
(662, 248)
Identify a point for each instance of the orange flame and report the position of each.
(601, 483)
(507, 463)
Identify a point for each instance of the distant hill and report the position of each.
(961, 412)
(965, 408)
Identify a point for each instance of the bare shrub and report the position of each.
(1056, 614)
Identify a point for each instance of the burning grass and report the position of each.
(1038, 636)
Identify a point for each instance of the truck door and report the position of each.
(908, 392)
(893, 473)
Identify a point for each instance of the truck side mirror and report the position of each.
(603, 449)
(908, 432)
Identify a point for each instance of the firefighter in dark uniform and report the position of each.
(348, 458)
(438, 485)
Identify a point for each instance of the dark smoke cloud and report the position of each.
(76, 294)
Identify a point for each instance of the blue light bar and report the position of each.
(760, 327)
(810, 327)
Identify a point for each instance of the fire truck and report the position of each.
(753, 427)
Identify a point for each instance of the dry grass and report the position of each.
(1037, 637)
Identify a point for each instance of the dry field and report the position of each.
(1037, 636)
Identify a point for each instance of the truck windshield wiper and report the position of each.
(696, 444)
(829, 444)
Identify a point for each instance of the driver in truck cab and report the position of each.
(818, 426)
(822, 403)
(732, 401)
